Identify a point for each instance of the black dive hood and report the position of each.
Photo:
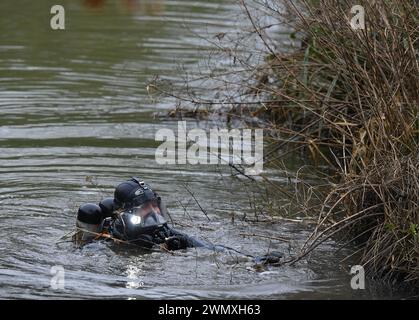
(132, 193)
(141, 212)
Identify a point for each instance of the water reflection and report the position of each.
(146, 7)
(94, 3)
(134, 280)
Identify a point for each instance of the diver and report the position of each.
(137, 215)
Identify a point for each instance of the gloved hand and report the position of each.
(176, 242)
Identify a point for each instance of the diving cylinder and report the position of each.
(88, 223)
(107, 206)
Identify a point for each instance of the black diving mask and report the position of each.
(146, 216)
(140, 224)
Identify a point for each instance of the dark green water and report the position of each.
(76, 119)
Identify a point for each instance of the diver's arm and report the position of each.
(179, 240)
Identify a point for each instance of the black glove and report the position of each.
(177, 242)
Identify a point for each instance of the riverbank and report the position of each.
(350, 98)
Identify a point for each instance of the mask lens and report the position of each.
(146, 208)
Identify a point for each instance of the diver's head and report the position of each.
(132, 193)
(142, 211)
